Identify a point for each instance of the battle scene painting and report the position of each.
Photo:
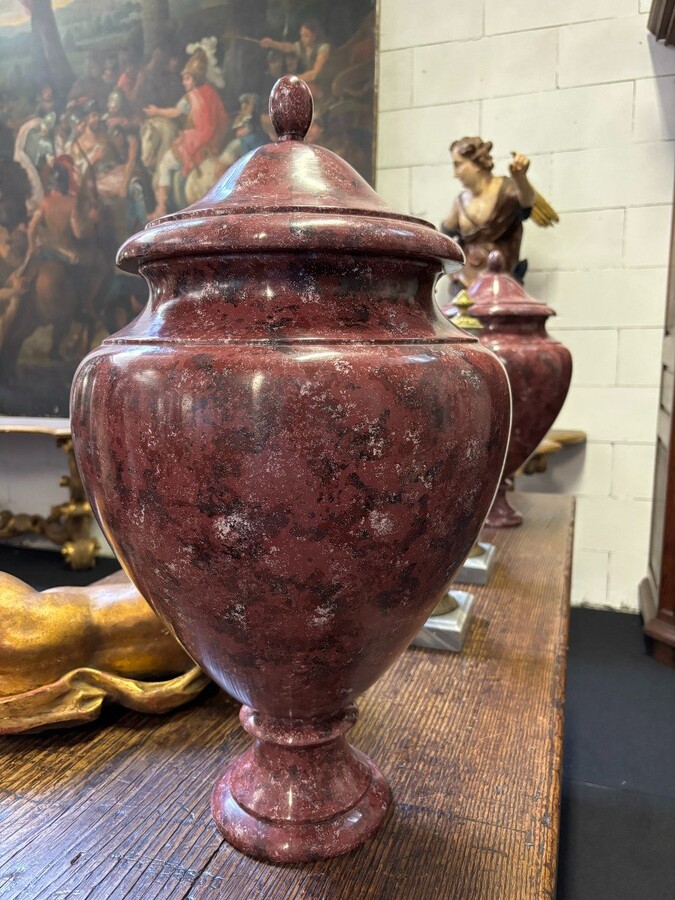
(115, 112)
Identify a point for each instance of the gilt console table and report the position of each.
(69, 523)
(471, 744)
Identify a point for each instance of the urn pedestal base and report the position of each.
(502, 514)
(300, 793)
(449, 630)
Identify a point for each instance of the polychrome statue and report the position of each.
(489, 213)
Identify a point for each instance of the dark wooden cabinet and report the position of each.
(661, 20)
(657, 590)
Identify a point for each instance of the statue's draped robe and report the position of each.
(503, 231)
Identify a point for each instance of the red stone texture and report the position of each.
(291, 451)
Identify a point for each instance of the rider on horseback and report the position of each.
(207, 127)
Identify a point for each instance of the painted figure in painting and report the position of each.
(64, 270)
(204, 135)
(311, 51)
(247, 129)
(489, 213)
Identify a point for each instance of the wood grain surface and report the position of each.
(470, 743)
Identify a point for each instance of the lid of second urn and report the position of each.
(495, 293)
(290, 196)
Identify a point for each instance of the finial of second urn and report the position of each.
(291, 108)
(495, 261)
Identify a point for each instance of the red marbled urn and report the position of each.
(291, 452)
(539, 369)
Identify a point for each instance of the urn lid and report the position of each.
(495, 293)
(290, 196)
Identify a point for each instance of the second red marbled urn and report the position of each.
(291, 451)
(539, 369)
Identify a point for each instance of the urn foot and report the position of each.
(502, 514)
(300, 793)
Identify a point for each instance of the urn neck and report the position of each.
(288, 297)
(516, 325)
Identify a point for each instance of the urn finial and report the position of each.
(464, 319)
(495, 261)
(291, 108)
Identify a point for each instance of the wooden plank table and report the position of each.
(471, 745)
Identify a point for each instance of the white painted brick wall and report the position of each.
(647, 236)
(611, 50)
(403, 24)
(654, 118)
(626, 298)
(502, 66)
(633, 175)
(639, 356)
(396, 73)
(503, 17)
(633, 471)
(589, 95)
(406, 134)
(557, 120)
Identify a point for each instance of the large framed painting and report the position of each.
(114, 112)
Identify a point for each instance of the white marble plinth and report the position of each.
(449, 631)
(477, 569)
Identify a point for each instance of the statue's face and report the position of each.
(465, 170)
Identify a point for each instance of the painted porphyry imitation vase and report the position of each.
(291, 451)
(538, 366)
